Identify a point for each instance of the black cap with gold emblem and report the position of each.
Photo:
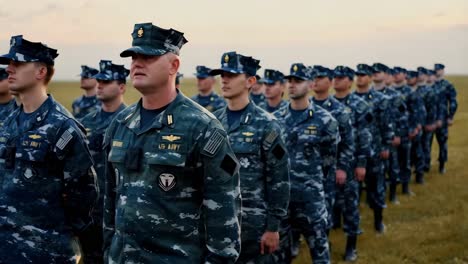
(152, 40)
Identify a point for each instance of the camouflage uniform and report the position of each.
(211, 102)
(264, 105)
(382, 134)
(96, 124)
(448, 107)
(48, 187)
(214, 103)
(309, 140)
(346, 148)
(414, 110)
(430, 103)
(46, 176)
(257, 98)
(7, 108)
(172, 187)
(347, 196)
(85, 104)
(264, 176)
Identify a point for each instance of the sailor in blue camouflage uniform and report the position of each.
(438, 96)
(206, 96)
(275, 84)
(383, 79)
(347, 195)
(323, 78)
(311, 135)
(257, 92)
(414, 104)
(47, 177)
(448, 107)
(88, 102)
(417, 153)
(382, 135)
(7, 102)
(111, 87)
(255, 137)
(430, 103)
(172, 179)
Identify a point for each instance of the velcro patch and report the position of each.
(271, 137)
(65, 139)
(278, 152)
(228, 164)
(214, 143)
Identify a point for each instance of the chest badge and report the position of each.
(167, 181)
(171, 138)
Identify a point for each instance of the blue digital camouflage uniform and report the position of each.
(85, 104)
(172, 187)
(430, 102)
(309, 140)
(96, 124)
(211, 102)
(264, 167)
(46, 175)
(271, 109)
(7, 108)
(257, 98)
(448, 107)
(264, 177)
(48, 186)
(413, 104)
(382, 134)
(346, 148)
(347, 196)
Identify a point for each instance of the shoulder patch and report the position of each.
(65, 138)
(214, 143)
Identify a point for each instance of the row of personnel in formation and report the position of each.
(166, 181)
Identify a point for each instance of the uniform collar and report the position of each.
(166, 118)
(307, 114)
(245, 119)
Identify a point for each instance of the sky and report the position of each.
(408, 33)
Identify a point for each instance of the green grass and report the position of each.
(431, 227)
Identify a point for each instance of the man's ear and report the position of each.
(41, 71)
(251, 80)
(174, 64)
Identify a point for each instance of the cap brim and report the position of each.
(202, 76)
(221, 70)
(142, 50)
(103, 77)
(5, 59)
(268, 81)
(287, 77)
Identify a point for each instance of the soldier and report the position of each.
(430, 103)
(110, 90)
(255, 137)
(48, 182)
(206, 96)
(347, 195)
(311, 134)
(414, 105)
(323, 81)
(257, 93)
(7, 102)
(382, 135)
(88, 102)
(383, 79)
(448, 107)
(274, 90)
(417, 153)
(172, 180)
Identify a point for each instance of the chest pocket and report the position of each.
(173, 175)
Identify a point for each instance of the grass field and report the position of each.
(430, 227)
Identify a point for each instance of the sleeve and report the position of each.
(277, 176)
(109, 192)
(346, 146)
(452, 98)
(364, 118)
(80, 190)
(221, 196)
